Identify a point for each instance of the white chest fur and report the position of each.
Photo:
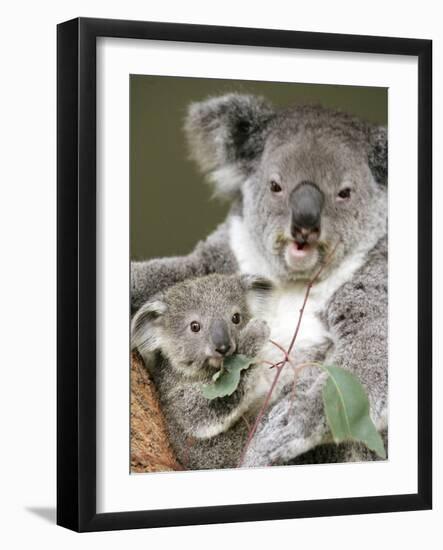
(282, 317)
(284, 307)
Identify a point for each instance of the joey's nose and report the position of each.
(306, 204)
(223, 349)
(221, 338)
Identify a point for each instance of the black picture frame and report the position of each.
(76, 277)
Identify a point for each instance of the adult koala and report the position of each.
(303, 181)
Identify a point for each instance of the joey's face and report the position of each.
(197, 340)
(308, 197)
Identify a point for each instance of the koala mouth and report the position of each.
(215, 362)
(301, 257)
(300, 250)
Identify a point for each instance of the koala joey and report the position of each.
(191, 328)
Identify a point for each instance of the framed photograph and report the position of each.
(244, 274)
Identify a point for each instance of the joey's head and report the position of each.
(196, 323)
(308, 179)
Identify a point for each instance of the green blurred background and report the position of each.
(171, 204)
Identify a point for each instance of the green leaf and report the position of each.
(226, 380)
(347, 410)
(217, 375)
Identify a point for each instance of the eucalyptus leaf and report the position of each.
(226, 380)
(347, 410)
(217, 375)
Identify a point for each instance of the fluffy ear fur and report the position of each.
(145, 326)
(258, 292)
(226, 135)
(378, 154)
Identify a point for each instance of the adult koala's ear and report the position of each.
(378, 154)
(226, 136)
(146, 326)
(258, 292)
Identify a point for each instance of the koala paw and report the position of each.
(285, 432)
(260, 455)
(253, 337)
(259, 329)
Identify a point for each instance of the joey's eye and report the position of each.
(275, 186)
(344, 194)
(236, 318)
(195, 327)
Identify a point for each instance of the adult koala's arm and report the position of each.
(357, 320)
(357, 317)
(212, 255)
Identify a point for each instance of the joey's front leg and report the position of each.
(204, 418)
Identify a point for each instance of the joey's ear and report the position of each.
(146, 325)
(378, 154)
(226, 135)
(258, 291)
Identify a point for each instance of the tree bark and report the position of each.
(150, 447)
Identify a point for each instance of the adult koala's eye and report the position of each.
(344, 194)
(195, 327)
(275, 186)
(236, 318)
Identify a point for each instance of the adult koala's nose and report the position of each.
(306, 202)
(221, 338)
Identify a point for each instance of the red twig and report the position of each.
(281, 364)
(281, 348)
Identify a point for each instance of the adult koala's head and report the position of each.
(307, 179)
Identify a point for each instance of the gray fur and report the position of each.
(242, 143)
(357, 318)
(344, 452)
(378, 153)
(225, 136)
(185, 361)
(212, 255)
